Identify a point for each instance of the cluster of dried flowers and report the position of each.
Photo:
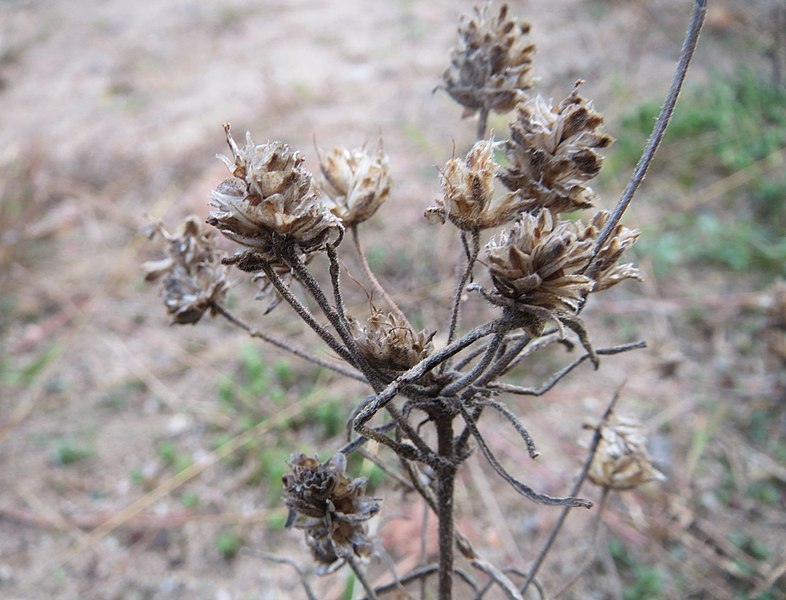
(330, 507)
(540, 268)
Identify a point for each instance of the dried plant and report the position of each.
(538, 271)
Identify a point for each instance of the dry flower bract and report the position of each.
(194, 278)
(491, 64)
(356, 182)
(538, 265)
(330, 507)
(621, 461)
(270, 204)
(390, 344)
(468, 192)
(552, 153)
(609, 273)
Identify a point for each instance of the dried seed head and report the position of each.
(609, 273)
(270, 202)
(468, 192)
(621, 461)
(390, 344)
(552, 153)
(330, 507)
(356, 182)
(194, 278)
(537, 266)
(491, 64)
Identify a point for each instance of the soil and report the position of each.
(113, 481)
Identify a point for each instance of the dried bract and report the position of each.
(552, 152)
(609, 273)
(356, 182)
(536, 267)
(468, 192)
(270, 203)
(194, 278)
(491, 64)
(330, 507)
(390, 344)
(621, 461)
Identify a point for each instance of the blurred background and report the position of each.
(140, 460)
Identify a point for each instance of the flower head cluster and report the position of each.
(552, 153)
(194, 278)
(330, 507)
(390, 344)
(538, 265)
(621, 461)
(490, 67)
(270, 202)
(356, 182)
(468, 192)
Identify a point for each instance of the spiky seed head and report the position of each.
(468, 199)
(621, 461)
(356, 182)
(330, 507)
(389, 343)
(193, 277)
(537, 265)
(553, 153)
(270, 202)
(490, 67)
(609, 273)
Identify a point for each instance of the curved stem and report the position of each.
(353, 564)
(472, 256)
(304, 314)
(284, 345)
(533, 571)
(686, 54)
(373, 278)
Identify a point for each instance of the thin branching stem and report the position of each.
(559, 375)
(686, 54)
(421, 574)
(471, 376)
(372, 277)
(513, 420)
(334, 315)
(306, 315)
(521, 488)
(533, 570)
(593, 543)
(353, 564)
(498, 577)
(423, 367)
(285, 345)
(472, 256)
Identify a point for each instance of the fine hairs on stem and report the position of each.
(519, 256)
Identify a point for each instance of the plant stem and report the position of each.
(686, 54)
(573, 492)
(445, 486)
(472, 256)
(483, 119)
(284, 345)
(373, 278)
